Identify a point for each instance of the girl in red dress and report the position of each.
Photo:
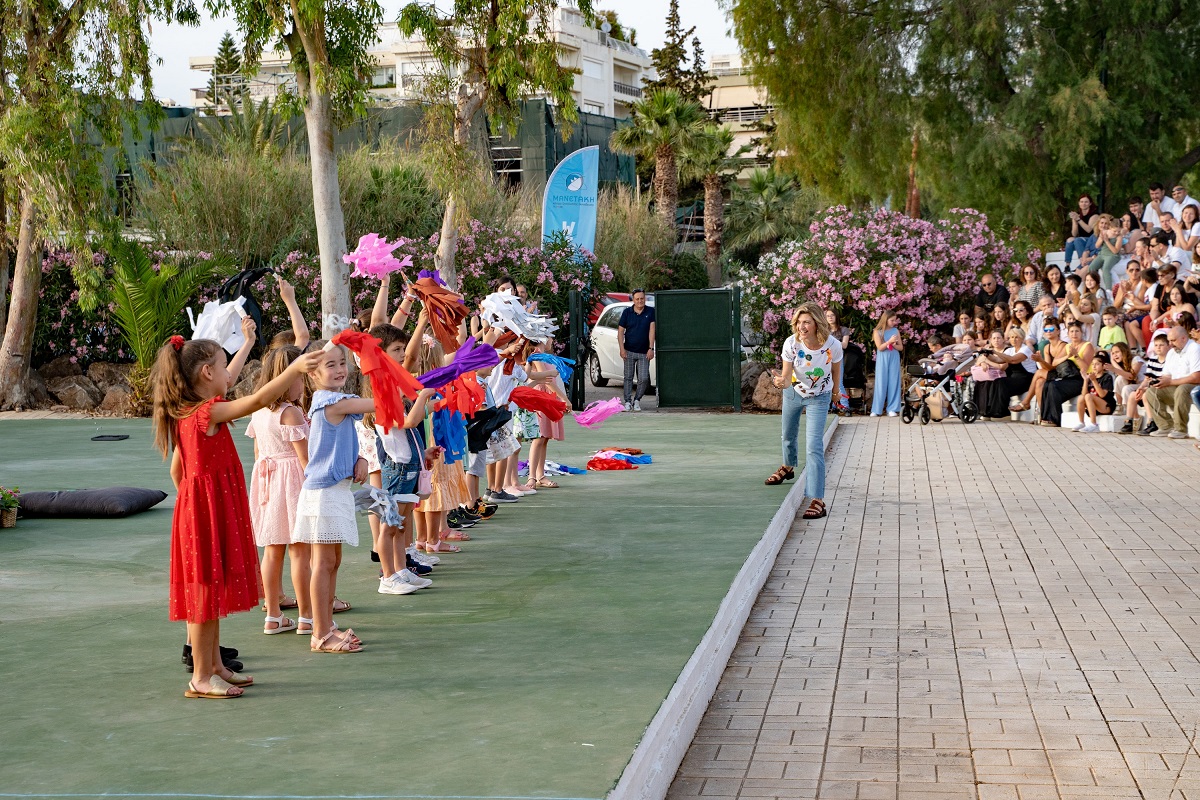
(214, 563)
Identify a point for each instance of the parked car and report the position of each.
(604, 363)
(603, 302)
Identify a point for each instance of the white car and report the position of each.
(605, 362)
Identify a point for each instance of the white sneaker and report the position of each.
(404, 576)
(392, 586)
(629, 406)
(1090, 428)
(637, 406)
(893, 413)
(1078, 427)
(1176, 435)
(873, 414)
(423, 558)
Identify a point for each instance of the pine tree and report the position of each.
(227, 64)
(670, 61)
(698, 81)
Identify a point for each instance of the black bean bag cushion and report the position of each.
(115, 501)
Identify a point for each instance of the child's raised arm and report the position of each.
(413, 349)
(379, 310)
(417, 413)
(234, 368)
(245, 406)
(287, 293)
(404, 311)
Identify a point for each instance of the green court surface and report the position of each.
(529, 669)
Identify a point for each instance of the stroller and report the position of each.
(854, 379)
(941, 386)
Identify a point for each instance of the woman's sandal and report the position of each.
(337, 609)
(456, 536)
(282, 625)
(219, 689)
(815, 510)
(546, 483)
(442, 547)
(304, 626)
(332, 642)
(782, 474)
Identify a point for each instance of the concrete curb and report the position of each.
(652, 768)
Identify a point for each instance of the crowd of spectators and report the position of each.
(1113, 328)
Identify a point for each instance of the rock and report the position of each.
(75, 391)
(106, 375)
(766, 396)
(247, 379)
(36, 395)
(61, 367)
(116, 400)
(750, 372)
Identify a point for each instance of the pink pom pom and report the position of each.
(373, 257)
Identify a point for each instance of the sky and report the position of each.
(174, 44)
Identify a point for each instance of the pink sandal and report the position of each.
(442, 547)
(455, 536)
(333, 643)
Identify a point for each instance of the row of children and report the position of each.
(312, 441)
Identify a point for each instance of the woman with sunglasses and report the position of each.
(1032, 287)
(1067, 363)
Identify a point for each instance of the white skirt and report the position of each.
(326, 516)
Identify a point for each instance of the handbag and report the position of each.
(425, 483)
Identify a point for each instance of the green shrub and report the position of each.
(257, 207)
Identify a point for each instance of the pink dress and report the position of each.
(277, 477)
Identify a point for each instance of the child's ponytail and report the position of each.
(173, 378)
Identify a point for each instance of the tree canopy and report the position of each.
(1019, 106)
(671, 61)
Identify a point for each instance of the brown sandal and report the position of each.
(782, 474)
(815, 510)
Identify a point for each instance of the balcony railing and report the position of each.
(626, 89)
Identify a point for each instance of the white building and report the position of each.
(735, 100)
(609, 76)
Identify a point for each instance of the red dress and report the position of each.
(214, 563)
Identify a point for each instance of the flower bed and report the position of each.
(864, 263)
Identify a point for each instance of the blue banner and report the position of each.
(570, 201)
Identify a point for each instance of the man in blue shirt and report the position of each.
(635, 337)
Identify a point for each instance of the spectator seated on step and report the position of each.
(1170, 395)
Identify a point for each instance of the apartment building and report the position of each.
(734, 100)
(608, 82)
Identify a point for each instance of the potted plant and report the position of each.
(8, 507)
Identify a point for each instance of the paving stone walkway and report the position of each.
(972, 620)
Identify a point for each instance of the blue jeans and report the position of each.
(1196, 395)
(1077, 247)
(814, 438)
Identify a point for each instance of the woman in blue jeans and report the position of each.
(812, 369)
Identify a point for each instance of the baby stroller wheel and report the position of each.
(970, 412)
(926, 415)
(906, 414)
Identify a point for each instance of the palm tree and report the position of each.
(764, 212)
(253, 127)
(711, 163)
(664, 125)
